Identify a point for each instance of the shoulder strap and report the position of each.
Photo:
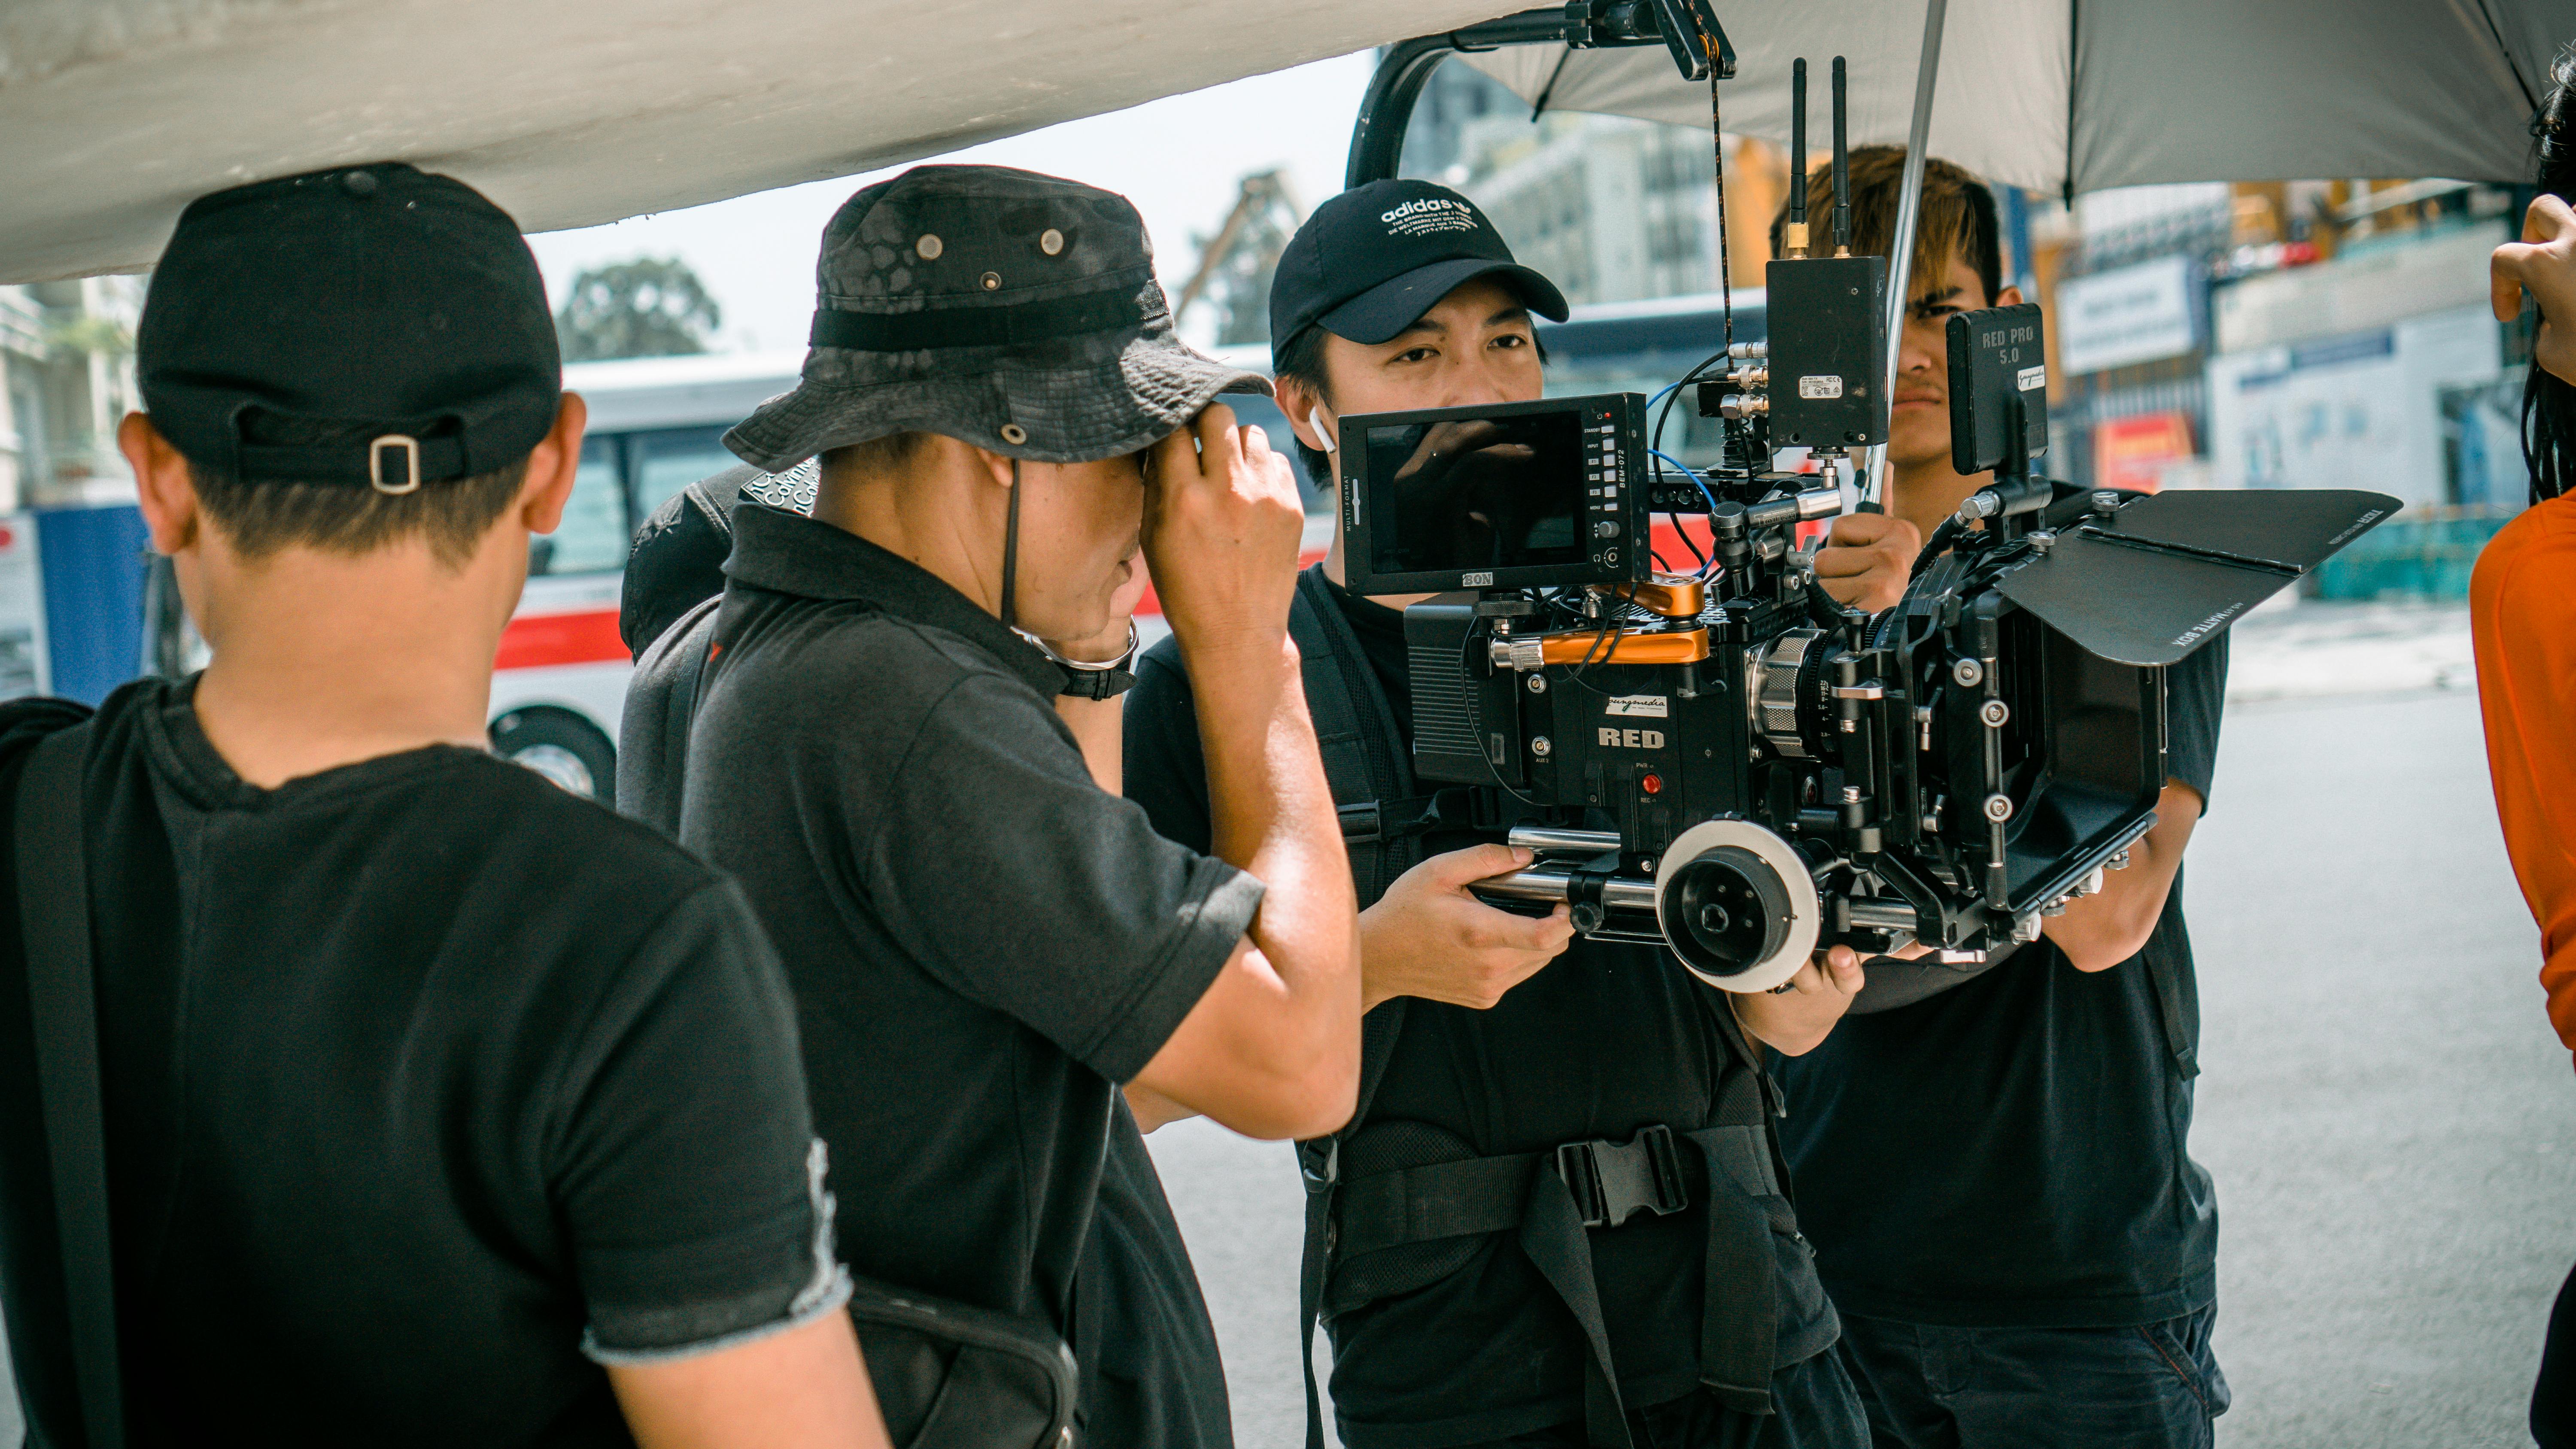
(62, 998)
(2173, 1012)
(1364, 759)
(688, 680)
(1364, 766)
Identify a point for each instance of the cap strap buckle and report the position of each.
(409, 447)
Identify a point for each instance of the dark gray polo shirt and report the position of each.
(981, 942)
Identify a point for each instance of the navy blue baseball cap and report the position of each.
(1372, 260)
(380, 299)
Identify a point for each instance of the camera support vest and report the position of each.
(1548, 1199)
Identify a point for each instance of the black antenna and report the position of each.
(1796, 232)
(1842, 170)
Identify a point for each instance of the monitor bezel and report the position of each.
(1359, 506)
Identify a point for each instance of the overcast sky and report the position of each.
(1176, 158)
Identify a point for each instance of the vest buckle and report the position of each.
(1362, 824)
(1614, 1181)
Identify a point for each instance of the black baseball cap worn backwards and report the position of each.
(1372, 260)
(1016, 311)
(399, 305)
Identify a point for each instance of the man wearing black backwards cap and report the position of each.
(983, 942)
(1469, 1300)
(439, 1107)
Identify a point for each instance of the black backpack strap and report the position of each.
(1364, 765)
(1319, 1163)
(1553, 1237)
(696, 630)
(62, 999)
(1365, 761)
(2171, 1012)
(1739, 1328)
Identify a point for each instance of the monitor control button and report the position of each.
(1606, 528)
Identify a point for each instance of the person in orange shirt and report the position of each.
(2522, 614)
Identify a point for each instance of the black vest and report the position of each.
(1413, 1222)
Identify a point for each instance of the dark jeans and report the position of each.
(2553, 1398)
(1813, 1407)
(1926, 1387)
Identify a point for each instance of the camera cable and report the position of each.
(1707, 560)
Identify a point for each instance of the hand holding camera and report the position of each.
(1866, 559)
(2543, 263)
(1222, 523)
(1796, 1015)
(1428, 937)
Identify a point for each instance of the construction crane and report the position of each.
(1235, 265)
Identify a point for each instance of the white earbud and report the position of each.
(1315, 420)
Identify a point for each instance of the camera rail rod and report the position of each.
(1909, 202)
(1386, 110)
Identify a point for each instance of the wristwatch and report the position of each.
(1106, 679)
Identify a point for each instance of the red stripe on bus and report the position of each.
(535, 641)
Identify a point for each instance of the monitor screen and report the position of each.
(1477, 493)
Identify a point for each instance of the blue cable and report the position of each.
(1702, 484)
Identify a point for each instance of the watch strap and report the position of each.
(1098, 683)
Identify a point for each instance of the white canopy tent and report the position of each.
(2065, 95)
(115, 113)
(573, 112)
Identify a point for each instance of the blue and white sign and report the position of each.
(2120, 318)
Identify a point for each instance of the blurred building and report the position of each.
(66, 378)
(2315, 334)
(1612, 210)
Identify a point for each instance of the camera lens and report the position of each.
(1732, 908)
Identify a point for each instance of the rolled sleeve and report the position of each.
(2195, 705)
(622, 1335)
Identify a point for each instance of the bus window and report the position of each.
(592, 536)
(672, 459)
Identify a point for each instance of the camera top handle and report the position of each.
(1386, 111)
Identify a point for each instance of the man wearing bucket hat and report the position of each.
(984, 944)
(1472, 1297)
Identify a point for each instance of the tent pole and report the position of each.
(1909, 202)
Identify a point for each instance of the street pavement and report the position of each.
(2391, 1125)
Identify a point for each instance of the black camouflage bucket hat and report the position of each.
(1016, 311)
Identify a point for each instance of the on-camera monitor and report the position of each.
(1477, 493)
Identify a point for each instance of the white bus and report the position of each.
(656, 426)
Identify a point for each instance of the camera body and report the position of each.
(1732, 764)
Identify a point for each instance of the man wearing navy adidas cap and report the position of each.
(1470, 1301)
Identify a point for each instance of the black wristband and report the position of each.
(1097, 683)
(1105, 680)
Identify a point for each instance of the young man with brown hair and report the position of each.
(1996, 1177)
(438, 1107)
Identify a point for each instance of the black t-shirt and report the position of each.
(423, 1079)
(982, 943)
(1161, 1387)
(2011, 1152)
(1605, 1040)
(1124, 1394)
